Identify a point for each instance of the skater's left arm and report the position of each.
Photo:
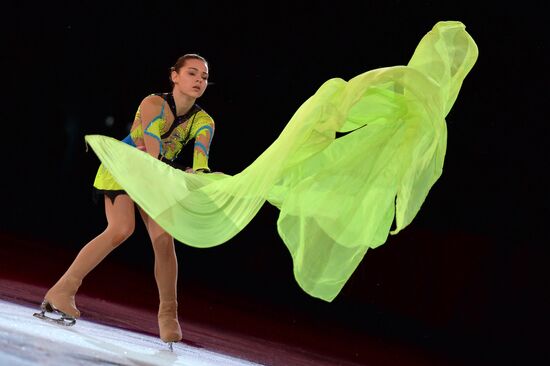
(203, 132)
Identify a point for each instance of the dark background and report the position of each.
(468, 276)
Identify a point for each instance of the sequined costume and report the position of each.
(172, 131)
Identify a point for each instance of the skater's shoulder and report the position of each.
(157, 99)
(152, 101)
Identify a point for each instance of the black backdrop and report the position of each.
(471, 267)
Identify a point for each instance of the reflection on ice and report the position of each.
(26, 340)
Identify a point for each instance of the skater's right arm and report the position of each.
(151, 112)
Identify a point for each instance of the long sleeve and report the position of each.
(203, 132)
(146, 128)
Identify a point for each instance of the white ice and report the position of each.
(26, 340)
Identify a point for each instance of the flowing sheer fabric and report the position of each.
(337, 197)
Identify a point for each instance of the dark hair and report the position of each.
(181, 61)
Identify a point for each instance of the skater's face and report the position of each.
(192, 78)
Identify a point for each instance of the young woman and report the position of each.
(163, 124)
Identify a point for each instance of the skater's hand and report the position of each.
(191, 171)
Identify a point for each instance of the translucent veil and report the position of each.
(337, 197)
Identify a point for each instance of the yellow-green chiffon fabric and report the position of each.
(337, 197)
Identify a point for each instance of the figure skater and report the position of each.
(163, 124)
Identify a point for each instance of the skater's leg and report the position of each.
(166, 276)
(120, 225)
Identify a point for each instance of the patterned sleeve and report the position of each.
(145, 130)
(202, 131)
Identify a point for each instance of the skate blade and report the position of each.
(64, 319)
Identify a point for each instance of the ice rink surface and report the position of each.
(26, 340)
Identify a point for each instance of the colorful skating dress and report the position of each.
(173, 132)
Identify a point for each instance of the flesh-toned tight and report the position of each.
(120, 214)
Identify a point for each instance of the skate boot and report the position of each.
(169, 327)
(59, 300)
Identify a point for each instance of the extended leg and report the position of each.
(60, 298)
